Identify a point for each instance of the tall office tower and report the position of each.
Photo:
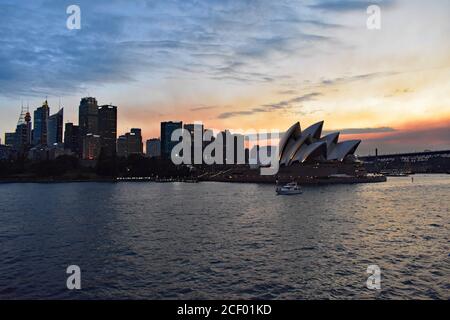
(55, 128)
(107, 129)
(196, 131)
(72, 138)
(153, 148)
(91, 146)
(10, 138)
(130, 143)
(88, 116)
(41, 115)
(167, 128)
(122, 149)
(135, 144)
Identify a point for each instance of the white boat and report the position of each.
(289, 189)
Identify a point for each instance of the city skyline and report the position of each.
(224, 65)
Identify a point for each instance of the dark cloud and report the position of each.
(279, 106)
(359, 77)
(201, 108)
(363, 130)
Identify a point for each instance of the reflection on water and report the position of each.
(225, 241)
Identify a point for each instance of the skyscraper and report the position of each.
(196, 130)
(153, 148)
(88, 116)
(41, 115)
(122, 148)
(72, 138)
(10, 138)
(91, 146)
(167, 128)
(135, 144)
(130, 143)
(55, 128)
(107, 129)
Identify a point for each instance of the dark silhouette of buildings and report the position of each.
(167, 128)
(72, 139)
(55, 128)
(153, 148)
(107, 129)
(91, 146)
(10, 138)
(41, 116)
(130, 143)
(88, 116)
(22, 137)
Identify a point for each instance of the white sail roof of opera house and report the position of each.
(297, 146)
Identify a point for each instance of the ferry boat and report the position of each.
(289, 189)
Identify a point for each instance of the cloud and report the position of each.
(279, 106)
(121, 42)
(363, 130)
(348, 5)
(359, 77)
(201, 108)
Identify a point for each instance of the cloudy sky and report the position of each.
(237, 64)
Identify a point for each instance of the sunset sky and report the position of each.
(237, 64)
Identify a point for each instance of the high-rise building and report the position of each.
(122, 148)
(23, 137)
(91, 146)
(130, 143)
(153, 148)
(107, 129)
(10, 138)
(196, 130)
(167, 128)
(135, 144)
(41, 115)
(88, 116)
(87, 119)
(72, 139)
(55, 128)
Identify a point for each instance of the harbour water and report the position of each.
(225, 240)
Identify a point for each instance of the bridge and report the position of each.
(418, 162)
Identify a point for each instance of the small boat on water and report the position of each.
(289, 189)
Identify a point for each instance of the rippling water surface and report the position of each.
(225, 241)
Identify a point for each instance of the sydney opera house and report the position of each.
(308, 146)
(306, 155)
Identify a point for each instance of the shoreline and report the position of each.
(255, 180)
